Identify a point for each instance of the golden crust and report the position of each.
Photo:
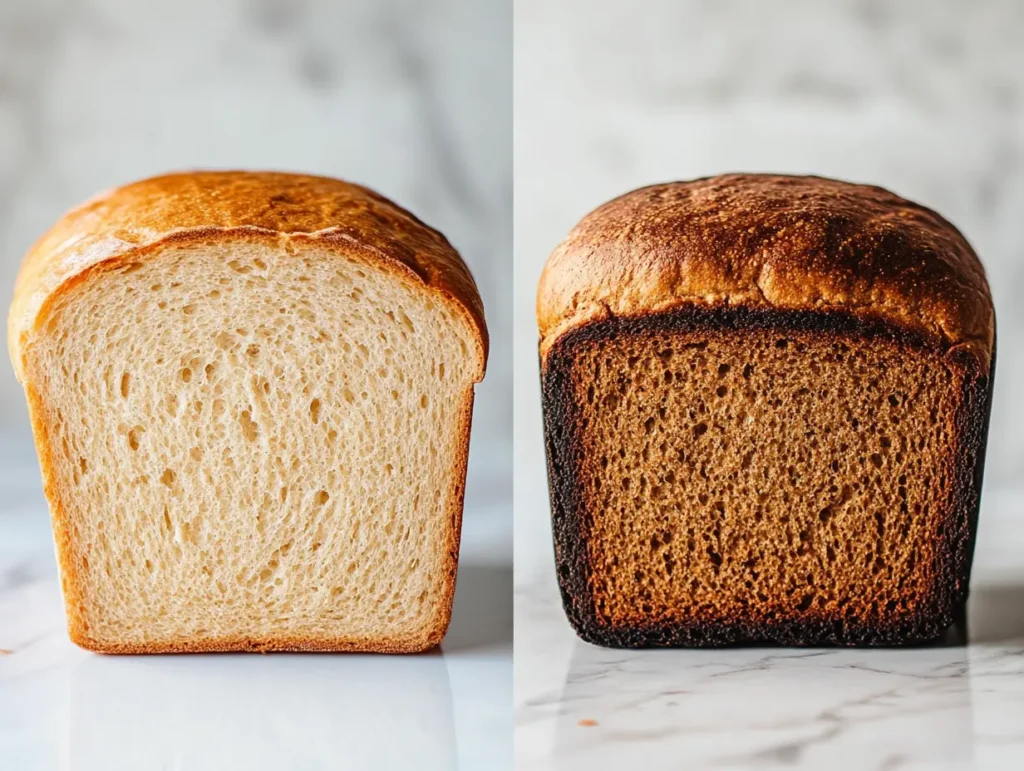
(770, 241)
(127, 223)
(133, 222)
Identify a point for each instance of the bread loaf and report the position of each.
(765, 401)
(251, 398)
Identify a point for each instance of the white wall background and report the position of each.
(923, 96)
(411, 98)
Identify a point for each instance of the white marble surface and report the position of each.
(953, 707)
(64, 708)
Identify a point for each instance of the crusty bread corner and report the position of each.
(129, 222)
(770, 241)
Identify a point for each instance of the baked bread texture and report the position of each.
(251, 397)
(766, 401)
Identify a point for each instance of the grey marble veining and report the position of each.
(412, 99)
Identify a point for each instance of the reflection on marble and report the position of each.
(950, 706)
(227, 711)
(219, 712)
(61, 707)
(923, 96)
(745, 708)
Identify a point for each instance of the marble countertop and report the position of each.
(947, 707)
(64, 708)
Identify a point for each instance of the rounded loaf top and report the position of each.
(769, 241)
(124, 223)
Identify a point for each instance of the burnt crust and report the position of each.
(570, 519)
(769, 241)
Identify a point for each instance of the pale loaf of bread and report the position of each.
(251, 396)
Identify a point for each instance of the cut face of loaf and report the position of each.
(253, 447)
(736, 475)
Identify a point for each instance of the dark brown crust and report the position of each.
(135, 223)
(562, 421)
(769, 241)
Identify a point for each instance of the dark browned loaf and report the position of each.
(765, 402)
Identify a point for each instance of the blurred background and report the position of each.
(409, 98)
(925, 97)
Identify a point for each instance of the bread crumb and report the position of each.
(587, 722)
(847, 554)
(5, 652)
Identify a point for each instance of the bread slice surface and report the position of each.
(726, 476)
(254, 439)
